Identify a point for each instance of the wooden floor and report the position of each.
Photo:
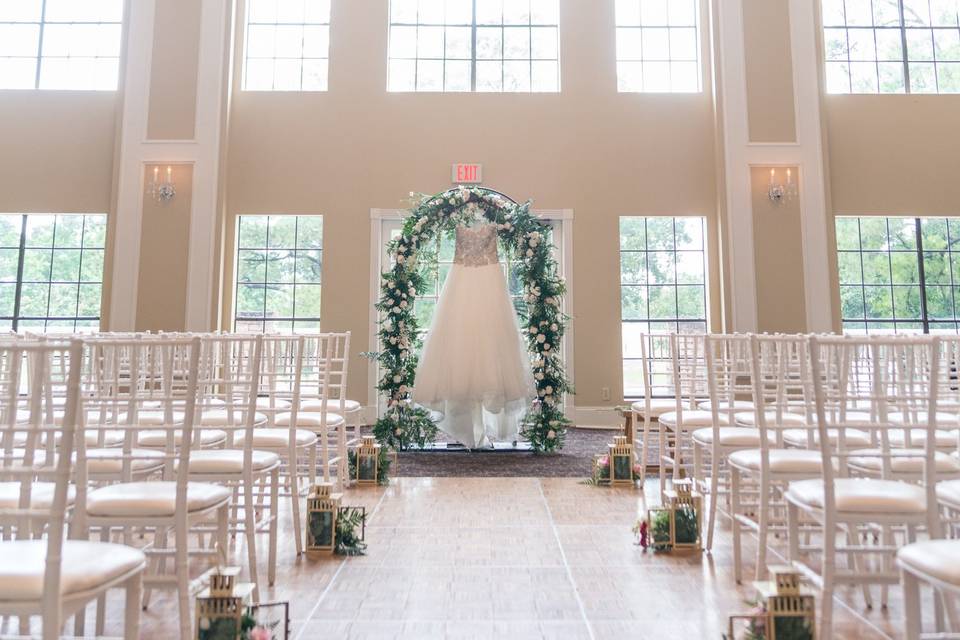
(507, 558)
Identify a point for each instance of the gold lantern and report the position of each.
(676, 525)
(787, 609)
(222, 605)
(621, 461)
(629, 428)
(321, 529)
(368, 461)
(601, 470)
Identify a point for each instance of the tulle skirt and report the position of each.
(474, 368)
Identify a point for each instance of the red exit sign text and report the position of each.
(464, 173)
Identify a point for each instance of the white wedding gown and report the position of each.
(474, 368)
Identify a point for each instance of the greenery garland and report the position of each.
(525, 238)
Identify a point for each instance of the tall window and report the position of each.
(663, 268)
(658, 49)
(60, 44)
(899, 275)
(287, 45)
(51, 272)
(279, 267)
(892, 46)
(474, 45)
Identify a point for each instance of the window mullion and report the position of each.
(924, 317)
(19, 287)
(43, 22)
(906, 56)
(473, 49)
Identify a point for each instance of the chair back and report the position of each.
(782, 388)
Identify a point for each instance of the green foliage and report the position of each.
(526, 240)
(225, 628)
(383, 465)
(349, 521)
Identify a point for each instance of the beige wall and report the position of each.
(165, 233)
(588, 148)
(173, 77)
(778, 256)
(769, 69)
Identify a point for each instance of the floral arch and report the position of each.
(524, 237)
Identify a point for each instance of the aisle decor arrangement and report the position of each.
(271, 621)
(525, 238)
(676, 525)
(369, 462)
(222, 612)
(331, 529)
(784, 610)
(617, 467)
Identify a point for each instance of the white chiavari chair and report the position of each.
(727, 361)
(156, 374)
(40, 572)
(659, 394)
(848, 509)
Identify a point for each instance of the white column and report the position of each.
(740, 154)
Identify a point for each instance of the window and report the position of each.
(663, 267)
(892, 46)
(658, 47)
(474, 45)
(899, 275)
(60, 44)
(51, 272)
(279, 267)
(287, 45)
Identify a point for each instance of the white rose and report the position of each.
(403, 388)
(541, 338)
(400, 258)
(538, 376)
(551, 434)
(403, 304)
(403, 354)
(393, 341)
(533, 329)
(554, 423)
(397, 379)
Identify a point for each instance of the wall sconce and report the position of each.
(778, 192)
(162, 191)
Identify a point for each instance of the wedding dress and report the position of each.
(474, 368)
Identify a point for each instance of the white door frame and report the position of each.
(564, 219)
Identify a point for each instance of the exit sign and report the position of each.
(464, 173)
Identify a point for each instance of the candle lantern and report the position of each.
(786, 609)
(621, 461)
(676, 525)
(321, 529)
(368, 461)
(221, 607)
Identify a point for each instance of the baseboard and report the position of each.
(595, 417)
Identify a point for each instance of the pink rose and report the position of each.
(260, 633)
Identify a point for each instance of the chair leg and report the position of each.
(714, 497)
(295, 510)
(274, 517)
(793, 533)
(159, 562)
(250, 529)
(223, 533)
(102, 600)
(662, 450)
(854, 562)
(763, 517)
(734, 510)
(827, 573)
(131, 618)
(911, 605)
(79, 622)
(183, 588)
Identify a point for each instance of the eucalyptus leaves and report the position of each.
(526, 239)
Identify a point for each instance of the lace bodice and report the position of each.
(476, 246)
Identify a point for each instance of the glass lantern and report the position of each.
(787, 610)
(321, 529)
(621, 461)
(368, 461)
(676, 525)
(222, 605)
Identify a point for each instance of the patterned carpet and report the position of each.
(574, 460)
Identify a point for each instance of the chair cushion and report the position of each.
(749, 418)
(781, 460)
(158, 438)
(84, 566)
(331, 405)
(691, 419)
(264, 438)
(108, 460)
(41, 495)
(221, 418)
(152, 499)
(738, 405)
(939, 559)
(948, 491)
(730, 436)
(862, 495)
(278, 404)
(918, 438)
(310, 420)
(870, 460)
(228, 460)
(944, 419)
(658, 406)
(111, 438)
(152, 418)
(798, 437)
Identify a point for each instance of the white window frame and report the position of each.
(670, 61)
(381, 223)
(245, 57)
